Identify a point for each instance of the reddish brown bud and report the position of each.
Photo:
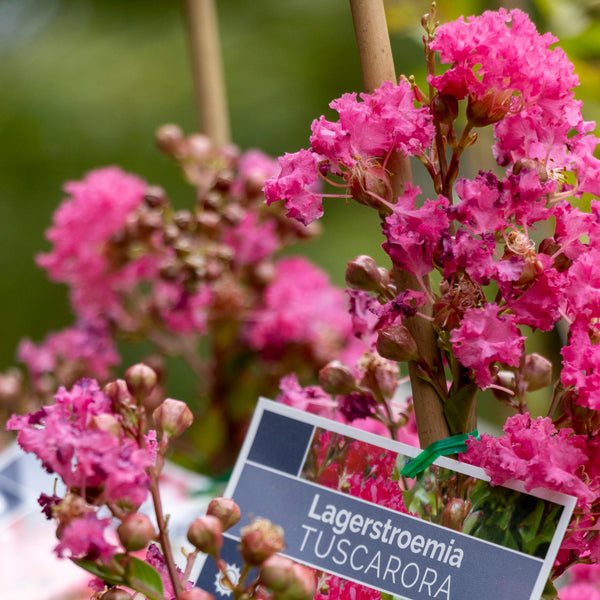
(169, 139)
(135, 532)
(537, 372)
(444, 108)
(396, 343)
(362, 274)
(226, 510)
(206, 534)
(140, 380)
(195, 594)
(336, 378)
(259, 540)
(455, 512)
(172, 417)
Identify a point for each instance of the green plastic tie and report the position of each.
(451, 445)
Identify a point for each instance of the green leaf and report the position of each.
(139, 571)
(137, 574)
(103, 572)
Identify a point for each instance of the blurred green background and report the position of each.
(85, 83)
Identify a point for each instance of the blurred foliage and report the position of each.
(85, 83)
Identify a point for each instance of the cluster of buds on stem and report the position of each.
(259, 543)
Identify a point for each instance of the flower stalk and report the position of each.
(377, 66)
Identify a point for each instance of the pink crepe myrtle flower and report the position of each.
(535, 452)
(302, 307)
(581, 362)
(85, 538)
(97, 208)
(385, 120)
(484, 337)
(251, 240)
(86, 344)
(155, 558)
(254, 168)
(63, 437)
(412, 234)
(355, 147)
(295, 184)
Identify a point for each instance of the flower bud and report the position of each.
(277, 573)
(106, 422)
(259, 540)
(120, 398)
(135, 532)
(116, 594)
(226, 510)
(140, 380)
(195, 594)
(455, 512)
(395, 342)
(444, 108)
(172, 417)
(206, 534)
(303, 586)
(362, 274)
(155, 197)
(336, 378)
(537, 372)
(169, 139)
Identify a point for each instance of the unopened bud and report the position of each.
(277, 573)
(169, 139)
(259, 540)
(303, 586)
(362, 274)
(226, 510)
(140, 380)
(155, 196)
(444, 108)
(455, 512)
(195, 594)
(506, 379)
(395, 342)
(172, 417)
(135, 532)
(116, 594)
(106, 422)
(537, 372)
(120, 398)
(206, 534)
(336, 378)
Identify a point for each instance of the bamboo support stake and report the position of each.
(377, 65)
(209, 82)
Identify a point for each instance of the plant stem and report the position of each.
(209, 82)
(163, 534)
(377, 66)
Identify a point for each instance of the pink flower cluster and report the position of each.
(76, 439)
(535, 452)
(300, 307)
(485, 238)
(355, 147)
